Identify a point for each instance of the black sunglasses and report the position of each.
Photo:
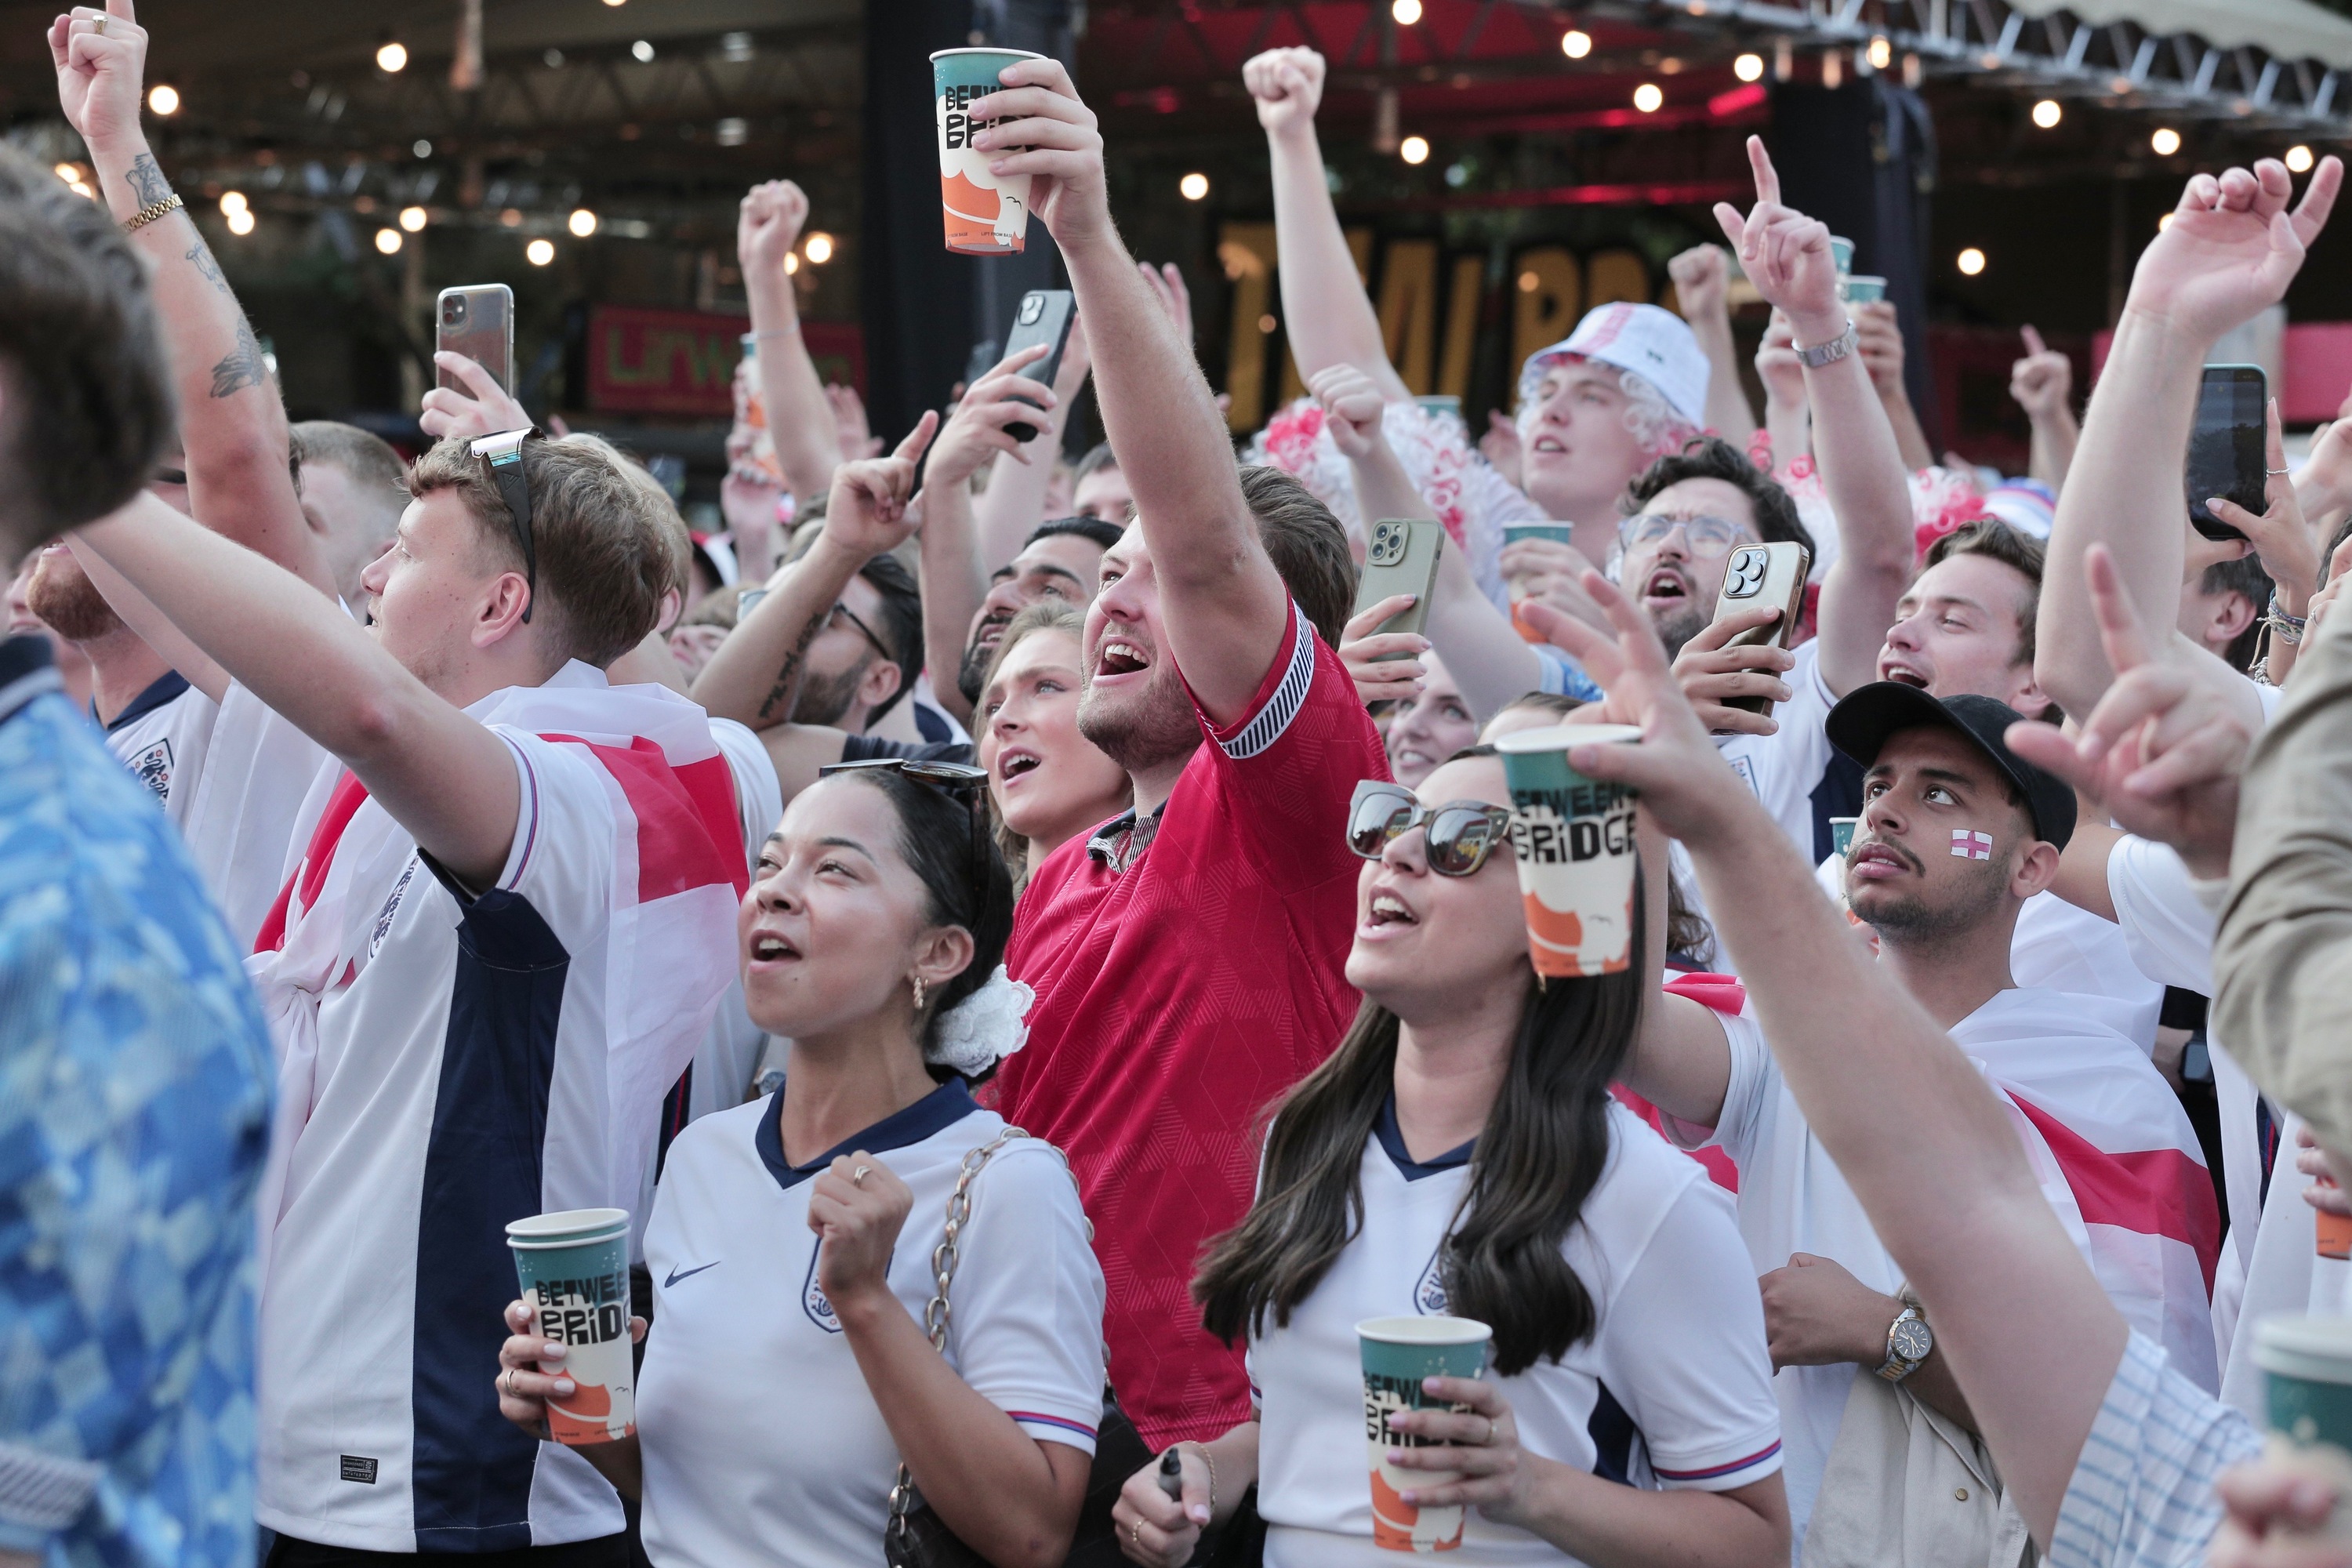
(1462, 833)
(501, 455)
(949, 778)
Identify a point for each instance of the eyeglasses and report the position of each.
(949, 778)
(879, 646)
(1462, 833)
(1709, 536)
(501, 457)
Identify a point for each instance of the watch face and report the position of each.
(1912, 1340)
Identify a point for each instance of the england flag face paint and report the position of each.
(1968, 845)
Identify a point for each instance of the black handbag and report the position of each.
(915, 1536)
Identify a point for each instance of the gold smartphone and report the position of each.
(1770, 574)
(477, 320)
(1400, 559)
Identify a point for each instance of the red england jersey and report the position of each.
(1179, 998)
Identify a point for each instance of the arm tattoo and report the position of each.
(146, 180)
(202, 257)
(789, 678)
(243, 366)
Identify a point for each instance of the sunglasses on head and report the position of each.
(949, 778)
(1461, 833)
(501, 457)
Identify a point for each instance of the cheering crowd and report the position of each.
(1038, 965)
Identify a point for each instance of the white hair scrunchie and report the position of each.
(984, 1027)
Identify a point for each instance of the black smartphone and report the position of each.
(2226, 444)
(1045, 317)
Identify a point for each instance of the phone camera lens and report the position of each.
(453, 311)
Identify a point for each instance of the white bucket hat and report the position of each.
(1655, 344)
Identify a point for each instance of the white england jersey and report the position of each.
(452, 1061)
(162, 737)
(760, 1441)
(1673, 1389)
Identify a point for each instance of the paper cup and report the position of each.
(1842, 249)
(575, 1268)
(2307, 1365)
(986, 214)
(1557, 532)
(1862, 289)
(1573, 838)
(1841, 833)
(1397, 1353)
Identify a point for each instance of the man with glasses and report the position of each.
(511, 920)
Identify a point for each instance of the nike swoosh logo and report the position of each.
(675, 1274)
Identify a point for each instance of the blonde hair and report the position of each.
(1046, 616)
(1648, 415)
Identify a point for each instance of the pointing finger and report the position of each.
(2034, 343)
(1767, 178)
(920, 437)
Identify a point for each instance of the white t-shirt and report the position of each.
(1786, 767)
(243, 797)
(1793, 1198)
(162, 737)
(1673, 1389)
(481, 1057)
(761, 1442)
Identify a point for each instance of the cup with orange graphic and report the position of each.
(1574, 840)
(986, 214)
(1399, 1353)
(574, 1270)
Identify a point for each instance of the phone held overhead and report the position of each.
(1401, 559)
(1045, 317)
(1761, 575)
(2226, 446)
(476, 320)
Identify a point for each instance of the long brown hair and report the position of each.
(1538, 1159)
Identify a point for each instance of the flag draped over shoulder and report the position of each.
(677, 877)
(2120, 1165)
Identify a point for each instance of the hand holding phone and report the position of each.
(1760, 576)
(1401, 559)
(2226, 444)
(1045, 317)
(476, 320)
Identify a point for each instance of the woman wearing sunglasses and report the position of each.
(1460, 1153)
(788, 1373)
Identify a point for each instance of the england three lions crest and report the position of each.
(153, 767)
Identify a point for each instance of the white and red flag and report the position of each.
(2118, 1162)
(1972, 846)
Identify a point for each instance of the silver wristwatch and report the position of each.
(1830, 352)
(1909, 1341)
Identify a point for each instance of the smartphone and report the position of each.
(1770, 574)
(477, 320)
(1401, 559)
(1045, 317)
(2226, 444)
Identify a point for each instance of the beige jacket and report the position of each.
(1904, 1485)
(2284, 957)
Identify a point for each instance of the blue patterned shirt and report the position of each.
(134, 1114)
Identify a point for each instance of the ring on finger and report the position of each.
(1135, 1533)
(98, 25)
(1489, 1440)
(857, 1177)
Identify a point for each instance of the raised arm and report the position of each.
(1879, 339)
(954, 564)
(755, 675)
(442, 774)
(1326, 317)
(232, 425)
(2042, 384)
(1222, 605)
(1008, 512)
(800, 417)
(1488, 660)
(2030, 1336)
(1702, 278)
(1787, 257)
(2231, 249)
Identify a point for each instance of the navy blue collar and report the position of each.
(1392, 1139)
(166, 689)
(942, 1108)
(27, 668)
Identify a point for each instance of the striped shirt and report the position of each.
(2143, 1490)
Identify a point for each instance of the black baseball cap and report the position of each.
(1859, 727)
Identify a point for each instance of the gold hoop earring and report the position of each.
(919, 993)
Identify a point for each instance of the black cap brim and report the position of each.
(1861, 723)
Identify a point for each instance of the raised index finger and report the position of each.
(920, 437)
(2034, 343)
(1767, 178)
(2319, 198)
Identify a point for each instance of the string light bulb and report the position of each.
(1971, 261)
(818, 247)
(392, 58)
(539, 252)
(1576, 43)
(581, 223)
(2165, 142)
(387, 240)
(1749, 68)
(164, 99)
(412, 218)
(1649, 98)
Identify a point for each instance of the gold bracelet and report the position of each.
(1208, 1460)
(149, 213)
